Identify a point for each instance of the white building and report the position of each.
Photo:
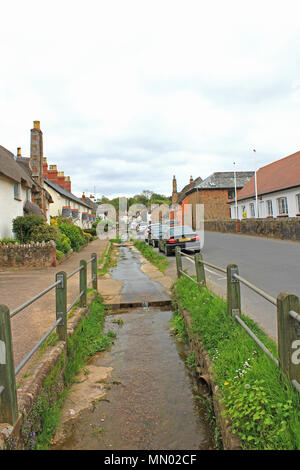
(18, 192)
(68, 205)
(278, 191)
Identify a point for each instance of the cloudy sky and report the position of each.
(130, 92)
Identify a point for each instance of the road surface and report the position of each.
(272, 265)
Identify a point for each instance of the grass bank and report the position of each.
(159, 261)
(87, 340)
(264, 410)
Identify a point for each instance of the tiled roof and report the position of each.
(93, 205)
(225, 180)
(281, 174)
(186, 188)
(65, 192)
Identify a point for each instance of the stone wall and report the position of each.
(284, 229)
(34, 255)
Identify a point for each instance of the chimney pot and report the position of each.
(36, 125)
(19, 152)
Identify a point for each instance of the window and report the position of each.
(17, 191)
(252, 210)
(269, 208)
(282, 206)
(298, 201)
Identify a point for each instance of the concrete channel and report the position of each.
(149, 399)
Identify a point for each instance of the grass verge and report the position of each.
(264, 407)
(159, 261)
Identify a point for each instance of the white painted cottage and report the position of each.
(278, 191)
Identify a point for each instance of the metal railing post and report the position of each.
(200, 270)
(8, 397)
(178, 261)
(61, 305)
(83, 282)
(94, 271)
(233, 291)
(288, 335)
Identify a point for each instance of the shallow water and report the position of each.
(149, 404)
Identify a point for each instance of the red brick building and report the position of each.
(214, 193)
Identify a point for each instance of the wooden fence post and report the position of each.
(178, 261)
(288, 335)
(200, 270)
(95, 272)
(83, 282)
(8, 397)
(233, 291)
(61, 305)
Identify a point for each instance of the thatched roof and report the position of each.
(10, 168)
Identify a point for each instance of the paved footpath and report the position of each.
(17, 286)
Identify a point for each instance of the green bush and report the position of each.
(59, 254)
(63, 243)
(6, 241)
(45, 233)
(23, 226)
(74, 234)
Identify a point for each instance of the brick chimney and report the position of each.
(83, 197)
(174, 191)
(61, 179)
(36, 153)
(52, 173)
(45, 168)
(68, 183)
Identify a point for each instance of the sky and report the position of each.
(132, 92)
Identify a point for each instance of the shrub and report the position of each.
(74, 234)
(23, 226)
(59, 254)
(6, 241)
(45, 233)
(63, 243)
(61, 220)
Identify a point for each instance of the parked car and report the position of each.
(155, 234)
(141, 227)
(180, 235)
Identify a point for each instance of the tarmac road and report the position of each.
(272, 265)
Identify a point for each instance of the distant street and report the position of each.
(272, 265)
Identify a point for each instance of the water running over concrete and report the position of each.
(149, 403)
(147, 398)
(137, 286)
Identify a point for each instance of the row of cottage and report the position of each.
(29, 186)
(271, 192)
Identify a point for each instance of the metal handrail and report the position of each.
(74, 302)
(256, 289)
(255, 338)
(185, 274)
(33, 299)
(294, 315)
(218, 268)
(31, 353)
(74, 272)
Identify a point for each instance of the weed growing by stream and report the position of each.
(264, 408)
(159, 261)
